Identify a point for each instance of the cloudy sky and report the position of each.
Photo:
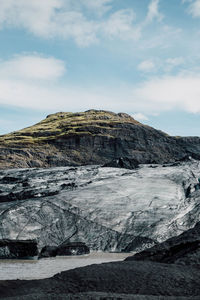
(136, 56)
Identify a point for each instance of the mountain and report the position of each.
(91, 137)
(83, 199)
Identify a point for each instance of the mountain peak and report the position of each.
(91, 137)
(92, 114)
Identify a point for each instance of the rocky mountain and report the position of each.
(91, 137)
(106, 208)
(82, 201)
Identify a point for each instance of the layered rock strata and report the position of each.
(92, 137)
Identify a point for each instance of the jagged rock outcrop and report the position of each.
(10, 249)
(75, 248)
(182, 249)
(91, 137)
(122, 162)
(108, 209)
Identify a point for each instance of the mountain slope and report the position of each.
(182, 249)
(91, 137)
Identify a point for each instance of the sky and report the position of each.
(141, 57)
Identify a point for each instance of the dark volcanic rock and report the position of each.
(48, 251)
(138, 243)
(122, 162)
(130, 277)
(18, 249)
(182, 249)
(99, 296)
(75, 248)
(92, 137)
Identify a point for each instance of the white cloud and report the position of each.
(120, 24)
(24, 82)
(153, 12)
(165, 37)
(35, 15)
(85, 21)
(171, 63)
(74, 25)
(169, 92)
(140, 117)
(52, 97)
(49, 18)
(68, 19)
(32, 67)
(146, 66)
(157, 64)
(152, 96)
(98, 6)
(194, 8)
(176, 61)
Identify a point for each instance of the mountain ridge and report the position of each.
(91, 137)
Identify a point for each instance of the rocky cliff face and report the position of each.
(106, 208)
(91, 137)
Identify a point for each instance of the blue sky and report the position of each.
(141, 57)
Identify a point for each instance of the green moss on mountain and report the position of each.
(91, 137)
(65, 124)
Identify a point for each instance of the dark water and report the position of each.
(44, 268)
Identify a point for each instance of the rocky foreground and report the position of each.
(157, 275)
(108, 209)
(91, 137)
(132, 278)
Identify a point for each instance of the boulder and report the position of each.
(48, 251)
(122, 162)
(75, 248)
(18, 249)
